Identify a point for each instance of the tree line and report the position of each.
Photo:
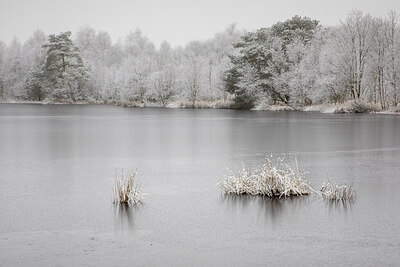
(90, 67)
(295, 62)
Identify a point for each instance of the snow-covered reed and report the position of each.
(271, 180)
(126, 188)
(333, 192)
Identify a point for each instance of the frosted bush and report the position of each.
(280, 180)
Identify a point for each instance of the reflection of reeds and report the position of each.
(342, 191)
(269, 180)
(126, 189)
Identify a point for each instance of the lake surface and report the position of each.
(57, 164)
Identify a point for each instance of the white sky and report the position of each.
(177, 21)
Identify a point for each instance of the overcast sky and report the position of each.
(177, 21)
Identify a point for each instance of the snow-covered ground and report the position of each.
(346, 107)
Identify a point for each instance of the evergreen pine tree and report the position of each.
(65, 71)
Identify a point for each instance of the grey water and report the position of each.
(57, 164)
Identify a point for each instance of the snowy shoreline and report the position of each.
(350, 107)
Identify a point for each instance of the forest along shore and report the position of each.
(298, 62)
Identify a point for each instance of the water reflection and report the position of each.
(271, 208)
(59, 156)
(125, 216)
(340, 206)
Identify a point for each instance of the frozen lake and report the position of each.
(57, 164)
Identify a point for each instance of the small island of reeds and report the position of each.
(271, 180)
(280, 178)
(336, 192)
(127, 189)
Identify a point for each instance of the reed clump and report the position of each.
(336, 192)
(271, 180)
(127, 189)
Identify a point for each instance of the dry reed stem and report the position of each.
(342, 191)
(126, 189)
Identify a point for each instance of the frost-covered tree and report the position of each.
(14, 71)
(332, 67)
(356, 61)
(65, 71)
(217, 60)
(16, 60)
(265, 57)
(301, 28)
(136, 43)
(85, 39)
(320, 74)
(36, 82)
(195, 75)
(137, 77)
(302, 78)
(2, 54)
(137, 66)
(375, 71)
(164, 80)
(354, 39)
(34, 60)
(32, 48)
(253, 60)
(392, 62)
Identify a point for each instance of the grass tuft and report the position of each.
(271, 180)
(126, 188)
(342, 192)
